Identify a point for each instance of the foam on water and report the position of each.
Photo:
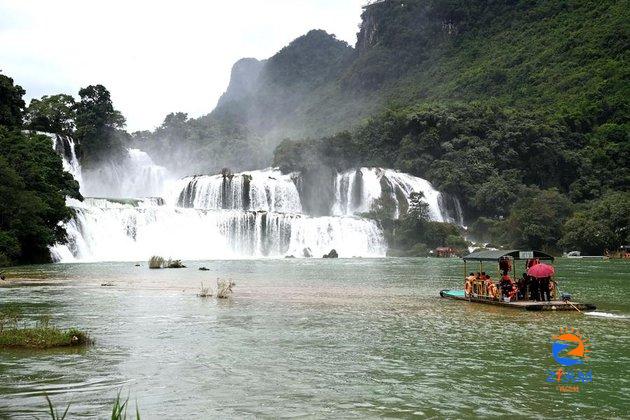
(607, 315)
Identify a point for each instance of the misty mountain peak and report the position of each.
(311, 59)
(243, 80)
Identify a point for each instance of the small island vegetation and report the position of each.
(43, 335)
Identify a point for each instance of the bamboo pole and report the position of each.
(574, 307)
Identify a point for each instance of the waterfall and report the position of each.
(251, 214)
(132, 230)
(65, 147)
(266, 190)
(357, 191)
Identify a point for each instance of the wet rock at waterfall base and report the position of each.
(307, 253)
(331, 254)
(204, 269)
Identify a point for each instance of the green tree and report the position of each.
(496, 196)
(592, 237)
(98, 125)
(11, 103)
(52, 114)
(33, 187)
(536, 219)
(601, 225)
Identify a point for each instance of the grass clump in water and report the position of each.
(224, 288)
(156, 262)
(205, 291)
(54, 414)
(42, 336)
(160, 262)
(174, 264)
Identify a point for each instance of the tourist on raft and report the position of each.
(530, 263)
(523, 283)
(468, 286)
(534, 289)
(545, 289)
(508, 287)
(505, 265)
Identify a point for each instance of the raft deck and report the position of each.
(528, 305)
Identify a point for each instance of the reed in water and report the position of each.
(224, 288)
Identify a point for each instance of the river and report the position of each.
(311, 337)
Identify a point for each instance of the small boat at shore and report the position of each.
(507, 293)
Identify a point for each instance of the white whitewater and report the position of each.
(64, 146)
(265, 190)
(356, 191)
(133, 230)
(252, 214)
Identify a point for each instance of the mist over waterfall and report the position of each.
(357, 191)
(229, 215)
(135, 176)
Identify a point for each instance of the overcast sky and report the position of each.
(155, 57)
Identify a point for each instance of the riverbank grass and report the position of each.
(42, 337)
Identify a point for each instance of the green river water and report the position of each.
(322, 338)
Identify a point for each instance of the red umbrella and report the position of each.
(541, 270)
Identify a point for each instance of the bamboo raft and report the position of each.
(527, 305)
(480, 294)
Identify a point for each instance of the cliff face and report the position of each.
(366, 37)
(318, 85)
(243, 80)
(374, 22)
(397, 35)
(274, 96)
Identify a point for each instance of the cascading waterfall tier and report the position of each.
(357, 191)
(132, 230)
(267, 190)
(64, 146)
(242, 215)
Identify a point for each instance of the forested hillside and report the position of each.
(33, 185)
(520, 109)
(564, 56)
